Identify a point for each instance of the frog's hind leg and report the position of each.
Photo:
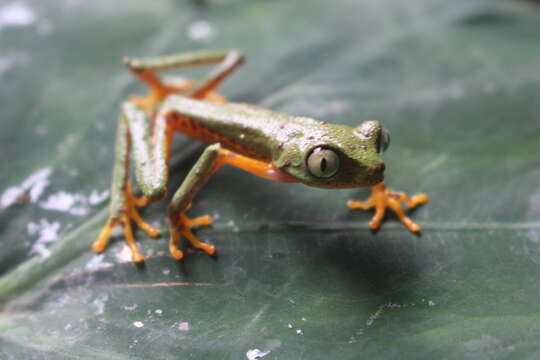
(150, 146)
(123, 204)
(381, 198)
(149, 139)
(123, 218)
(146, 70)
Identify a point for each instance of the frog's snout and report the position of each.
(378, 170)
(376, 174)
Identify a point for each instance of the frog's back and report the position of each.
(246, 129)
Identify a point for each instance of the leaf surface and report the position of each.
(298, 276)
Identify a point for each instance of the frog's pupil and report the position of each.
(323, 165)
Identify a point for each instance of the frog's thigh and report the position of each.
(146, 68)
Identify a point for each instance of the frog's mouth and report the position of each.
(375, 175)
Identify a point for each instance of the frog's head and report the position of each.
(337, 156)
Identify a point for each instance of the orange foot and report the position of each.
(124, 220)
(381, 198)
(183, 228)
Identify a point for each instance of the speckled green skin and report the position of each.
(286, 141)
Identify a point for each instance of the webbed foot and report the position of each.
(381, 198)
(128, 214)
(183, 228)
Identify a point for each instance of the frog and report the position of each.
(263, 142)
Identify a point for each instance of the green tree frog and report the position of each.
(264, 143)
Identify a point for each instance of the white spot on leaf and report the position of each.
(200, 30)
(99, 304)
(16, 14)
(96, 262)
(124, 255)
(47, 233)
(33, 185)
(254, 354)
(97, 197)
(75, 204)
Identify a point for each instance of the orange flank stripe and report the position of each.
(232, 153)
(256, 167)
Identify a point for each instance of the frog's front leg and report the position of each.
(181, 202)
(381, 198)
(213, 157)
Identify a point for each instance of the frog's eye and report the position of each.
(323, 162)
(383, 142)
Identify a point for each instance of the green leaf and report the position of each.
(298, 276)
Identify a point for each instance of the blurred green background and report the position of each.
(298, 276)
